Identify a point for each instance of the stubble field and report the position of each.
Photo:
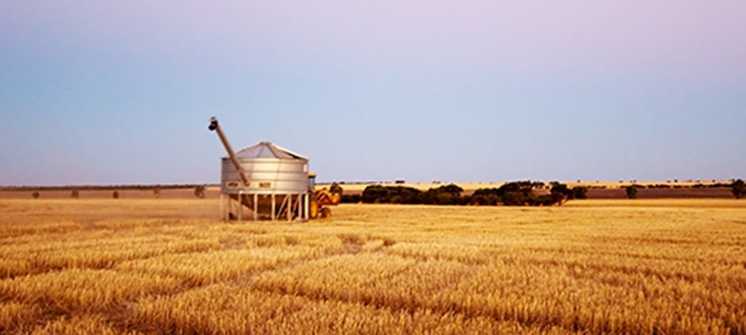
(168, 266)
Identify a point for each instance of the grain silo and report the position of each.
(263, 182)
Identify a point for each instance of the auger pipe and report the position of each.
(215, 126)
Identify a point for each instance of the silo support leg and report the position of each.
(300, 207)
(283, 207)
(256, 207)
(290, 207)
(306, 209)
(240, 207)
(273, 207)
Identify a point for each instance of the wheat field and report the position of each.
(169, 267)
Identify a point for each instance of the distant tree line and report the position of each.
(200, 191)
(669, 186)
(139, 187)
(520, 193)
(738, 188)
(524, 193)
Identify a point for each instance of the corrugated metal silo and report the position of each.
(270, 168)
(278, 183)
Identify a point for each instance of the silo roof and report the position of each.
(268, 150)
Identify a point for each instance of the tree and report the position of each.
(374, 194)
(631, 192)
(514, 199)
(115, 194)
(36, 194)
(453, 189)
(484, 198)
(561, 189)
(443, 195)
(738, 188)
(559, 193)
(199, 191)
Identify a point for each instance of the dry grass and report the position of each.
(18, 316)
(85, 290)
(79, 325)
(223, 265)
(118, 266)
(240, 310)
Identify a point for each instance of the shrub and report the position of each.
(483, 192)
(631, 192)
(486, 196)
(36, 194)
(391, 194)
(515, 199)
(444, 198)
(520, 193)
(522, 186)
(115, 195)
(579, 192)
(443, 195)
(157, 192)
(407, 195)
(484, 199)
(374, 194)
(559, 193)
(546, 200)
(738, 188)
(75, 194)
(452, 189)
(351, 198)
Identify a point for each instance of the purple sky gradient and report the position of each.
(119, 92)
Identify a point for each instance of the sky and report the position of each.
(120, 92)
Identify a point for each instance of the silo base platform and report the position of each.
(254, 206)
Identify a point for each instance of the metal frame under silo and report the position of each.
(254, 206)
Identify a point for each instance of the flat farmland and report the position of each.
(65, 193)
(167, 266)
